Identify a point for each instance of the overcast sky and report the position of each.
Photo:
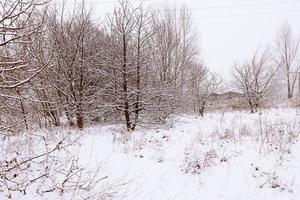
(230, 30)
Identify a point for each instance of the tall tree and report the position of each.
(175, 52)
(72, 74)
(288, 52)
(254, 78)
(202, 84)
(20, 22)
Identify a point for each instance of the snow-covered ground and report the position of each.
(228, 155)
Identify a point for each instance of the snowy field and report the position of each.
(223, 156)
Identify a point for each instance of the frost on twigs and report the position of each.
(196, 163)
(278, 136)
(37, 167)
(273, 181)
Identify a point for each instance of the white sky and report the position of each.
(230, 30)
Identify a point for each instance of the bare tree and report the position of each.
(72, 75)
(202, 84)
(20, 22)
(121, 28)
(128, 62)
(288, 51)
(175, 53)
(209, 85)
(142, 36)
(254, 78)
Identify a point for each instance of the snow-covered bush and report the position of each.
(196, 162)
(278, 136)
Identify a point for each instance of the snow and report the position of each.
(219, 157)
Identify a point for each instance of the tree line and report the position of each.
(138, 67)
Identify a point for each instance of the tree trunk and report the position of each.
(290, 93)
(201, 109)
(79, 117)
(138, 85)
(125, 89)
(24, 114)
(23, 110)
